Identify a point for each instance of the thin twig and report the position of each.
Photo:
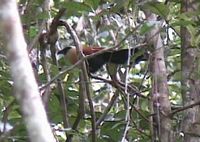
(120, 85)
(36, 38)
(111, 103)
(127, 117)
(6, 112)
(184, 108)
(43, 47)
(139, 130)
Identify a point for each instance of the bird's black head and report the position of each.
(64, 51)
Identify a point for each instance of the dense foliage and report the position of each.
(106, 24)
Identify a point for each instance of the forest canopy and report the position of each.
(130, 70)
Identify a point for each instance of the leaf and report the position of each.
(112, 130)
(158, 8)
(182, 20)
(92, 3)
(33, 31)
(119, 5)
(145, 28)
(54, 109)
(75, 8)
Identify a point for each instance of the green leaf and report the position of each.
(75, 8)
(145, 28)
(181, 23)
(112, 130)
(158, 8)
(92, 3)
(119, 6)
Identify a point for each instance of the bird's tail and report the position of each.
(121, 56)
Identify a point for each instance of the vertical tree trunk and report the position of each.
(160, 94)
(190, 79)
(26, 89)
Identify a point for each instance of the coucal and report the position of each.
(111, 56)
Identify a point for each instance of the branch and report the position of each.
(45, 66)
(52, 39)
(84, 74)
(184, 108)
(111, 103)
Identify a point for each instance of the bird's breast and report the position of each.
(72, 56)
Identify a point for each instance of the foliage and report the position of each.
(98, 20)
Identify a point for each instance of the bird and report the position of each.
(118, 57)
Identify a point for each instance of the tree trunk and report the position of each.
(160, 95)
(25, 86)
(190, 80)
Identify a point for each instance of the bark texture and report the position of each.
(160, 95)
(190, 79)
(26, 89)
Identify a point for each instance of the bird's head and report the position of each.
(63, 52)
(69, 53)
